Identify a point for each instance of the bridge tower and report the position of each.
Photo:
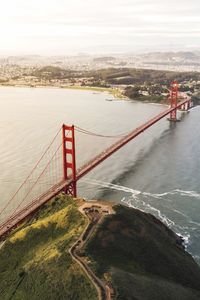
(174, 100)
(69, 159)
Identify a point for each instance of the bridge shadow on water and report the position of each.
(156, 183)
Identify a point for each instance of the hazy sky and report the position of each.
(67, 27)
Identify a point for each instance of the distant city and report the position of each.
(145, 77)
(171, 61)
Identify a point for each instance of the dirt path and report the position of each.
(103, 290)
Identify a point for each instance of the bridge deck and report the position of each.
(17, 218)
(109, 151)
(20, 216)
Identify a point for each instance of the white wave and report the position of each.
(164, 218)
(186, 238)
(197, 258)
(180, 213)
(137, 202)
(188, 193)
(136, 192)
(112, 186)
(146, 207)
(195, 223)
(156, 195)
(174, 192)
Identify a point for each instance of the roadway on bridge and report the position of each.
(22, 212)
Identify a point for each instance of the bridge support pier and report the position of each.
(189, 105)
(69, 159)
(185, 107)
(71, 190)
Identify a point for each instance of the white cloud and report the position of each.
(46, 26)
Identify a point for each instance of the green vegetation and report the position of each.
(34, 261)
(139, 76)
(143, 258)
(136, 286)
(120, 76)
(138, 84)
(131, 250)
(154, 93)
(115, 92)
(51, 72)
(152, 99)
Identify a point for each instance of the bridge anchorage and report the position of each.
(56, 171)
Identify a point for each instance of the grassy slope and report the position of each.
(143, 259)
(35, 263)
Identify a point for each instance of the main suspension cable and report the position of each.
(34, 168)
(34, 184)
(84, 131)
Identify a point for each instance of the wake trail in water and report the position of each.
(188, 193)
(109, 185)
(175, 192)
(134, 200)
(112, 186)
(140, 200)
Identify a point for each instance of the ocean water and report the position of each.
(158, 172)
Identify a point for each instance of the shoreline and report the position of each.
(116, 93)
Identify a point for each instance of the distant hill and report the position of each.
(53, 72)
(104, 59)
(140, 76)
(181, 58)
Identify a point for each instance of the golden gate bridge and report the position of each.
(56, 170)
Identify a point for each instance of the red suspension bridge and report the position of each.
(60, 173)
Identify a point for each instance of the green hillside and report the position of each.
(132, 251)
(139, 76)
(143, 258)
(35, 263)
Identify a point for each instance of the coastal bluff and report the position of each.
(130, 251)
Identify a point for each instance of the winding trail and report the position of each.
(103, 290)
